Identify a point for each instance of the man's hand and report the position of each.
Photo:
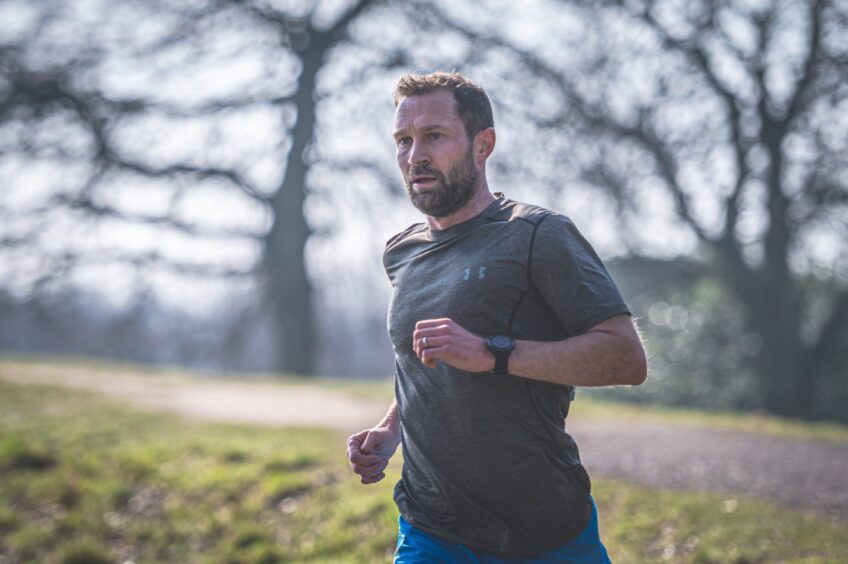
(451, 343)
(369, 452)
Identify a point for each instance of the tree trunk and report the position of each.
(289, 290)
(784, 386)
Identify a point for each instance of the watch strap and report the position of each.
(501, 362)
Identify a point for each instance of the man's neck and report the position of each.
(480, 201)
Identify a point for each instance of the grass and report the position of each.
(85, 480)
(642, 525)
(126, 485)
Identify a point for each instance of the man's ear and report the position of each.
(484, 144)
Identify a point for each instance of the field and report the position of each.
(85, 480)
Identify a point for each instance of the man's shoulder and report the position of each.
(410, 232)
(531, 213)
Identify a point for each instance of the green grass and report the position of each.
(125, 485)
(84, 480)
(642, 525)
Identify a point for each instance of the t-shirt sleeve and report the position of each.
(571, 278)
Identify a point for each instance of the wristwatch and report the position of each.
(501, 346)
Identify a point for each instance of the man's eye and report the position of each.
(403, 141)
(435, 135)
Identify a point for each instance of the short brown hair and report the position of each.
(473, 105)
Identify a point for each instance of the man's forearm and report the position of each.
(392, 418)
(609, 353)
(597, 358)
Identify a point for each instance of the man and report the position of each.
(498, 309)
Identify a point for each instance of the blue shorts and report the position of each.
(417, 547)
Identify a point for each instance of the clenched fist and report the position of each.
(369, 452)
(446, 340)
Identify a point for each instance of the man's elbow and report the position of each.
(638, 372)
(640, 368)
(638, 362)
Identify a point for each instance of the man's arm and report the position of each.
(391, 420)
(608, 354)
(369, 451)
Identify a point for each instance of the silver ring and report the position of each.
(425, 342)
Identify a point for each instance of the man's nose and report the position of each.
(418, 155)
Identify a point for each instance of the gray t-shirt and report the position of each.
(487, 460)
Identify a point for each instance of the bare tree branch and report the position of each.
(389, 181)
(591, 115)
(194, 270)
(698, 55)
(199, 172)
(341, 26)
(814, 49)
(99, 210)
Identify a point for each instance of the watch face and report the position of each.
(501, 342)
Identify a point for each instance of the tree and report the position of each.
(767, 123)
(732, 113)
(288, 285)
(57, 73)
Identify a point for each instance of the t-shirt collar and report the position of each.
(468, 224)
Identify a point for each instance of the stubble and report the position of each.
(448, 195)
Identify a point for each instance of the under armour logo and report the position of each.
(481, 273)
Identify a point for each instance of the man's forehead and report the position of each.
(425, 109)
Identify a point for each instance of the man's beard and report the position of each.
(446, 196)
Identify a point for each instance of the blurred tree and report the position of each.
(288, 285)
(733, 115)
(75, 133)
(701, 350)
(727, 118)
(776, 105)
(703, 353)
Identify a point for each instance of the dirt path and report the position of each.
(799, 472)
(255, 403)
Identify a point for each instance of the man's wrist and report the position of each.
(389, 424)
(490, 356)
(391, 421)
(501, 347)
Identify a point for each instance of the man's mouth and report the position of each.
(423, 181)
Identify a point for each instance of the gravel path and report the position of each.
(799, 472)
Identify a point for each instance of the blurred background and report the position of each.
(210, 184)
(194, 201)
